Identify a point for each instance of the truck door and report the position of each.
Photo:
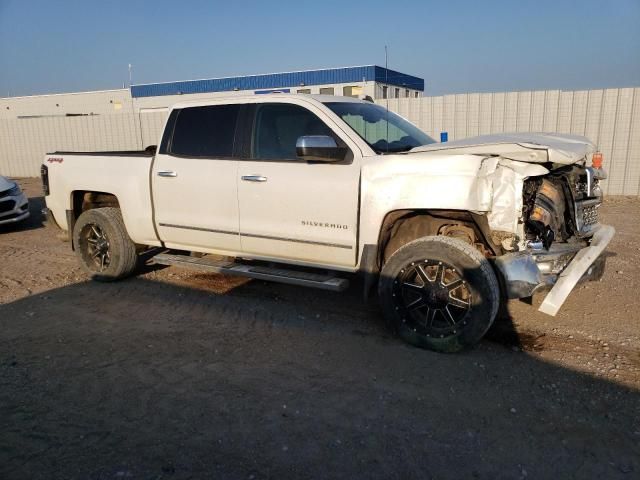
(194, 180)
(290, 208)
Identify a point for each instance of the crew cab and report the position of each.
(310, 190)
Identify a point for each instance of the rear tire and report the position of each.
(103, 246)
(439, 293)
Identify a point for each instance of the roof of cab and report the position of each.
(268, 98)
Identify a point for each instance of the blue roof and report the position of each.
(281, 80)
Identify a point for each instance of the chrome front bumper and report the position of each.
(13, 209)
(560, 269)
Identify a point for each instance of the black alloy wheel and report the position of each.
(432, 297)
(103, 245)
(97, 252)
(439, 293)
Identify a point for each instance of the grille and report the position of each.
(4, 194)
(7, 206)
(590, 215)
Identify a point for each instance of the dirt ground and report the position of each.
(176, 375)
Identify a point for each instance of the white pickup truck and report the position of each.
(309, 190)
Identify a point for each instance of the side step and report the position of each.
(281, 275)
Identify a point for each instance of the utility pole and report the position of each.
(386, 81)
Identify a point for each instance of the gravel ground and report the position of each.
(176, 375)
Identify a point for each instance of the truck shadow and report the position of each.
(144, 378)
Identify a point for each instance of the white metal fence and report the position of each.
(609, 117)
(24, 141)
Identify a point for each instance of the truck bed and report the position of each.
(123, 174)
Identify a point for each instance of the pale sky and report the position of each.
(456, 46)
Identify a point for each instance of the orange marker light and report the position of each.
(596, 160)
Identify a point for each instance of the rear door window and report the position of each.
(205, 131)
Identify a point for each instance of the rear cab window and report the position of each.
(207, 131)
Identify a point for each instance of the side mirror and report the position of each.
(319, 148)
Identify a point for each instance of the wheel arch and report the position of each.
(83, 200)
(400, 227)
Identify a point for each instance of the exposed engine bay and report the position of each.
(544, 210)
(561, 206)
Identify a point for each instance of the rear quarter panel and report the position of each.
(126, 177)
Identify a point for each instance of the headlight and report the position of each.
(14, 191)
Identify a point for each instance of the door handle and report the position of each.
(254, 178)
(167, 173)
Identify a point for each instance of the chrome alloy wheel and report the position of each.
(97, 253)
(432, 298)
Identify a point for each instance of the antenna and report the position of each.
(386, 81)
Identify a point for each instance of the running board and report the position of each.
(281, 275)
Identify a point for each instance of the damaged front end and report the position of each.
(559, 238)
(542, 206)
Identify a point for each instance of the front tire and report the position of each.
(103, 246)
(439, 293)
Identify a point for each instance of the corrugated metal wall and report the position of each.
(103, 102)
(152, 125)
(24, 141)
(610, 117)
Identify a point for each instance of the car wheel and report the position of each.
(103, 246)
(439, 293)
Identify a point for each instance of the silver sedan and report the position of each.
(14, 206)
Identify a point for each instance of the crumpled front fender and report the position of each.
(489, 185)
(507, 180)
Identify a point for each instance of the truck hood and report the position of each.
(522, 147)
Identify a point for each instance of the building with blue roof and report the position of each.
(364, 81)
(369, 80)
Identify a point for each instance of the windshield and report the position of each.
(384, 131)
